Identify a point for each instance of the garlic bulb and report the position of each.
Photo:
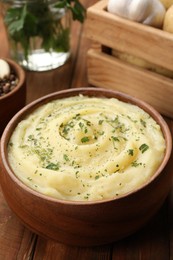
(150, 12)
(133, 10)
(157, 14)
(4, 69)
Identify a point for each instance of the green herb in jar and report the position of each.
(39, 23)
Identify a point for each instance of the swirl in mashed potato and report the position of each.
(85, 148)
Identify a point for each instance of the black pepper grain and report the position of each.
(8, 83)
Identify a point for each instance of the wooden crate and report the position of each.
(148, 43)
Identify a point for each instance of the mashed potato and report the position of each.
(85, 148)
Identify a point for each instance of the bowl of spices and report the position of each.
(12, 90)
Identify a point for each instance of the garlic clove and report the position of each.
(4, 69)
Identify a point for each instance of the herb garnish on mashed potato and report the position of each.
(86, 148)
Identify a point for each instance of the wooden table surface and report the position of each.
(153, 242)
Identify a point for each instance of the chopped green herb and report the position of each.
(135, 164)
(53, 166)
(114, 138)
(101, 133)
(143, 122)
(130, 152)
(81, 125)
(101, 122)
(88, 123)
(25, 21)
(77, 174)
(77, 116)
(85, 139)
(143, 148)
(30, 137)
(87, 196)
(66, 158)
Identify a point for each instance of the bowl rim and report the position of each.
(85, 91)
(20, 75)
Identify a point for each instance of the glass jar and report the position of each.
(39, 33)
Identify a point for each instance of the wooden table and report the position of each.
(153, 242)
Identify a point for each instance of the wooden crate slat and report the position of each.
(149, 43)
(108, 72)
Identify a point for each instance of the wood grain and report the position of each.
(106, 71)
(143, 41)
(4, 46)
(155, 241)
(48, 249)
(15, 239)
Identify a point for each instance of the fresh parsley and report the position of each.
(130, 152)
(53, 166)
(36, 19)
(85, 139)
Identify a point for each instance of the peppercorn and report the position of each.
(8, 83)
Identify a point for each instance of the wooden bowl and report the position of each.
(13, 101)
(85, 223)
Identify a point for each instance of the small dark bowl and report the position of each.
(85, 223)
(13, 101)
